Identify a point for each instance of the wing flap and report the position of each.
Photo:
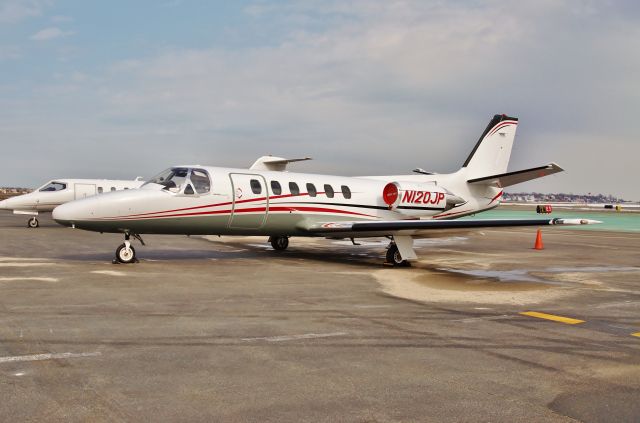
(512, 178)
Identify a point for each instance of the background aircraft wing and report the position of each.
(415, 227)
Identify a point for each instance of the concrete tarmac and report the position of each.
(229, 330)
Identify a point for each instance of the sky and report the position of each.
(121, 89)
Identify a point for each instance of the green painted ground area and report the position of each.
(611, 221)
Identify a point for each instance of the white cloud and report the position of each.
(13, 11)
(50, 33)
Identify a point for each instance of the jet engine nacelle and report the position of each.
(416, 199)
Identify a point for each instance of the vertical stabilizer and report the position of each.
(491, 154)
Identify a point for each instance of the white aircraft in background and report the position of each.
(60, 191)
(265, 200)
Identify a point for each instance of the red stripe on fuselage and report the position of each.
(247, 210)
(227, 203)
(451, 214)
(496, 197)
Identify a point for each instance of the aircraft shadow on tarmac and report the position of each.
(241, 251)
(167, 255)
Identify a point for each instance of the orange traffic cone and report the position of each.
(538, 245)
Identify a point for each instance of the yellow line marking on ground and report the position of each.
(636, 334)
(567, 320)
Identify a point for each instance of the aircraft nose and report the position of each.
(75, 211)
(63, 214)
(4, 205)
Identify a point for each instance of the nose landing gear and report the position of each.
(125, 253)
(33, 223)
(279, 243)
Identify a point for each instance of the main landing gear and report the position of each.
(33, 223)
(394, 258)
(279, 243)
(125, 253)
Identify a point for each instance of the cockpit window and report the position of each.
(53, 186)
(200, 181)
(172, 179)
(176, 178)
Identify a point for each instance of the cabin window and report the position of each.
(346, 192)
(189, 190)
(54, 186)
(200, 180)
(293, 188)
(256, 187)
(328, 189)
(100, 190)
(276, 189)
(126, 188)
(113, 188)
(311, 189)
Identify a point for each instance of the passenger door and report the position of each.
(84, 191)
(250, 201)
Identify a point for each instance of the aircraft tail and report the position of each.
(491, 154)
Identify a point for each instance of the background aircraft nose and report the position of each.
(8, 204)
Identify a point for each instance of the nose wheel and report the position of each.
(125, 253)
(279, 243)
(33, 223)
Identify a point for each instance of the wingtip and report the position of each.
(578, 221)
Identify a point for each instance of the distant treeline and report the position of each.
(561, 197)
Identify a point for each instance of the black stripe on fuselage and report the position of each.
(361, 206)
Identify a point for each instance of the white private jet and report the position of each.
(60, 191)
(266, 200)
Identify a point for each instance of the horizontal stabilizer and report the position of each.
(512, 178)
(274, 163)
(412, 227)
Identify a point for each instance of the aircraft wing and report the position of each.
(414, 227)
(512, 178)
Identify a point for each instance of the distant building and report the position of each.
(6, 192)
(534, 197)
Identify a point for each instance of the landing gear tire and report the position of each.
(126, 254)
(394, 258)
(33, 223)
(279, 243)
